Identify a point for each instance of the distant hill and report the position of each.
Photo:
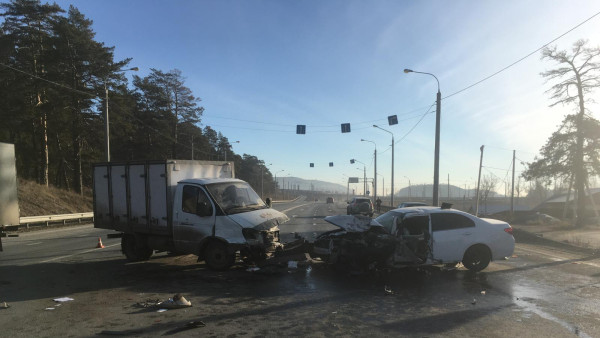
(426, 190)
(416, 191)
(297, 183)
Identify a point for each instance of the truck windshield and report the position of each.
(235, 197)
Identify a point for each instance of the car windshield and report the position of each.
(235, 197)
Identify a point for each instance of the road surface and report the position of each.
(541, 291)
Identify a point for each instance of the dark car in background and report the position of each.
(411, 204)
(330, 200)
(360, 206)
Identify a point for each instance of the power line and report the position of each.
(523, 58)
(52, 82)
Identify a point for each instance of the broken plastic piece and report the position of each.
(474, 301)
(292, 265)
(161, 310)
(3, 305)
(63, 299)
(483, 292)
(387, 290)
(252, 269)
(177, 302)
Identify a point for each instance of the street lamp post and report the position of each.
(276, 183)
(226, 150)
(364, 179)
(364, 175)
(409, 191)
(436, 164)
(378, 127)
(106, 124)
(374, 171)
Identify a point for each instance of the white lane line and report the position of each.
(79, 253)
(292, 208)
(558, 258)
(36, 243)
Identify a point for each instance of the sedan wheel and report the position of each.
(477, 258)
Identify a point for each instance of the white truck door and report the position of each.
(194, 218)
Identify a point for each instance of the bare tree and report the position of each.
(578, 75)
(488, 183)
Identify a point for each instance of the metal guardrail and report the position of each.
(55, 218)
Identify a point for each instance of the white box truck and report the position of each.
(187, 207)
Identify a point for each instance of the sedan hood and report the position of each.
(352, 223)
(263, 219)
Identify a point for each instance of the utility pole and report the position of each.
(512, 194)
(479, 180)
(448, 185)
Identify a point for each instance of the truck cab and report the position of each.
(218, 217)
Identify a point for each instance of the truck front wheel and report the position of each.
(135, 250)
(217, 256)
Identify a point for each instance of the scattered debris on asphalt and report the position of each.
(483, 292)
(3, 305)
(149, 303)
(188, 326)
(177, 302)
(63, 299)
(474, 301)
(121, 332)
(387, 290)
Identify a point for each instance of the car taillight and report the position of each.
(509, 230)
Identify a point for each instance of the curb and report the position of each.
(523, 236)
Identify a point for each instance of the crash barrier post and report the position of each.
(47, 219)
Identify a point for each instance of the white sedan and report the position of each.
(416, 236)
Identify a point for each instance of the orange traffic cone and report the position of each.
(100, 245)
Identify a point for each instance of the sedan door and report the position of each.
(452, 235)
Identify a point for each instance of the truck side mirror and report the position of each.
(268, 201)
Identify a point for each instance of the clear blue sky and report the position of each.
(262, 67)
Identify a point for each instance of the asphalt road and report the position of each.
(541, 291)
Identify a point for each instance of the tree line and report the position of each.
(56, 81)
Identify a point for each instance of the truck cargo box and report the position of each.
(138, 196)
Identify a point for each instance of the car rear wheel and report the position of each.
(477, 258)
(217, 256)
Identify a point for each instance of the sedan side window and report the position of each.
(450, 221)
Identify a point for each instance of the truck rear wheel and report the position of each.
(217, 256)
(135, 250)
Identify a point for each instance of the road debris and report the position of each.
(121, 332)
(3, 305)
(483, 292)
(63, 299)
(292, 265)
(253, 269)
(387, 290)
(177, 302)
(474, 301)
(188, 326)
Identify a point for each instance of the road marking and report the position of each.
(36, 243)
(558, 258)
(292, 208)
(79, 253)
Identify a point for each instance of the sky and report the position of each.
(263, 67)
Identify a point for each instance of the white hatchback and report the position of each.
(416, 236)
